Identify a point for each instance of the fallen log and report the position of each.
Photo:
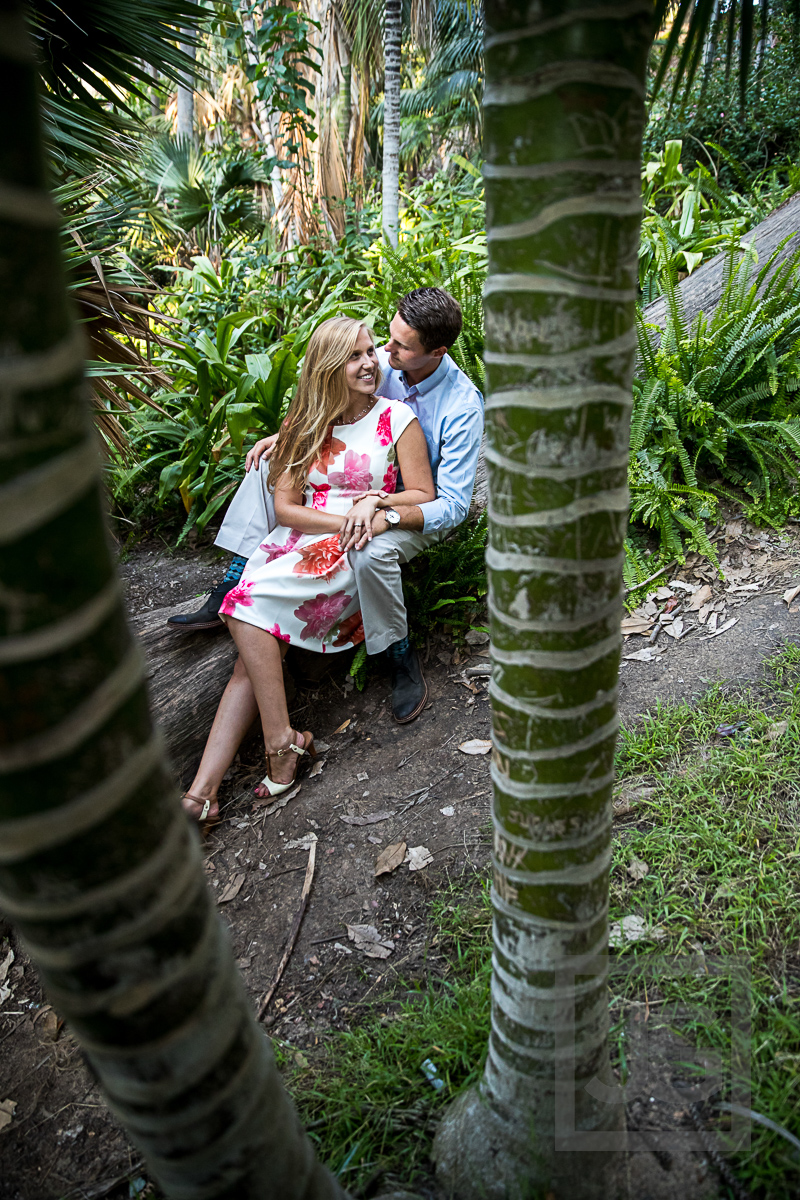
(701, 290)
(186, 674)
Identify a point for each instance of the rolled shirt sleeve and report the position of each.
(455, 474)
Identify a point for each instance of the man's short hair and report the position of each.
(434, 315)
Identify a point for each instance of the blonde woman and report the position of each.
(336, 466)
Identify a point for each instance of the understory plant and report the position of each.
(688, 218)
(715, 404)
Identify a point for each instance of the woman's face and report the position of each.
(362, 367)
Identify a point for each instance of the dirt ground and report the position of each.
(381, 784)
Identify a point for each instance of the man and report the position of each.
(418, 370)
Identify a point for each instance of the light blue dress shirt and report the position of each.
(450, 410)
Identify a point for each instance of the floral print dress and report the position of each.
(300, 587)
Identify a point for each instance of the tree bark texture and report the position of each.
(345, 107)
(701, 290)
(185, 119)
(99, 868)
(186, 676)
(564, 113)
(391, 122)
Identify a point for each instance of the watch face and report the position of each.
(392, 517)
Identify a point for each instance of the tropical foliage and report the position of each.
(715, 405)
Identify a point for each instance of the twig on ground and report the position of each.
(650, 578)
(298, 919)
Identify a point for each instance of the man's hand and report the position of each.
(262, 449)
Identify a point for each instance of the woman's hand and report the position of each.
(356, 528)
(262, 449)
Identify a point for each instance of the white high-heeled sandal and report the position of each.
(276, 789)
(203, 818)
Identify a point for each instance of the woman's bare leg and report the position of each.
(236, 713)
(262, 655)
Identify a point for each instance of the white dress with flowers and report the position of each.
(300, 587)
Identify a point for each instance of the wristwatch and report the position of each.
(392, 516)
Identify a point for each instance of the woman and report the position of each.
(336, 464)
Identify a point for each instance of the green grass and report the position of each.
(367, 1104)
(721, 836)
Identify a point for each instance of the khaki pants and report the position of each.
(251, 516)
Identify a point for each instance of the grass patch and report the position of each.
(367, 1104)
(721, 836)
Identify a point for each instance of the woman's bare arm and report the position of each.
(415, 467)
(290, 511)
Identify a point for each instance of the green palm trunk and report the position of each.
(99, 869)
(564, 112)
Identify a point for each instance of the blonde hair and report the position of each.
(321, 395)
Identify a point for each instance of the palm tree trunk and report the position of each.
(264, 130)
(391, 122)
(345, 108)
(185, 119)
(564, 113)
(152, 94)
(99, 869)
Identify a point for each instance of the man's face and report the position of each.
(405, 350)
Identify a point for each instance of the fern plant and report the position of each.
(715, 403)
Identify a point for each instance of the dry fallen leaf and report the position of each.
(6, 1112)
(777, 730)
(475, 746)
(232, 888)
(622, 806)
(390, 858)
(640, 625)
(724, 628)
(418, 857)
(476, 637)
(699, 599)
(791, 594)
(317, 768)
(343, 726)
(646, 655)
(370, 819)
(50, 1026)
(302, 843)
(367, 939)
(675, 628)
(637, 869)
(361, 776)
(633, 929)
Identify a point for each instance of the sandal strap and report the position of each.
(285, 749)
(205, 804)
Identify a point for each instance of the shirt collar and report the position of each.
(426, 385)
